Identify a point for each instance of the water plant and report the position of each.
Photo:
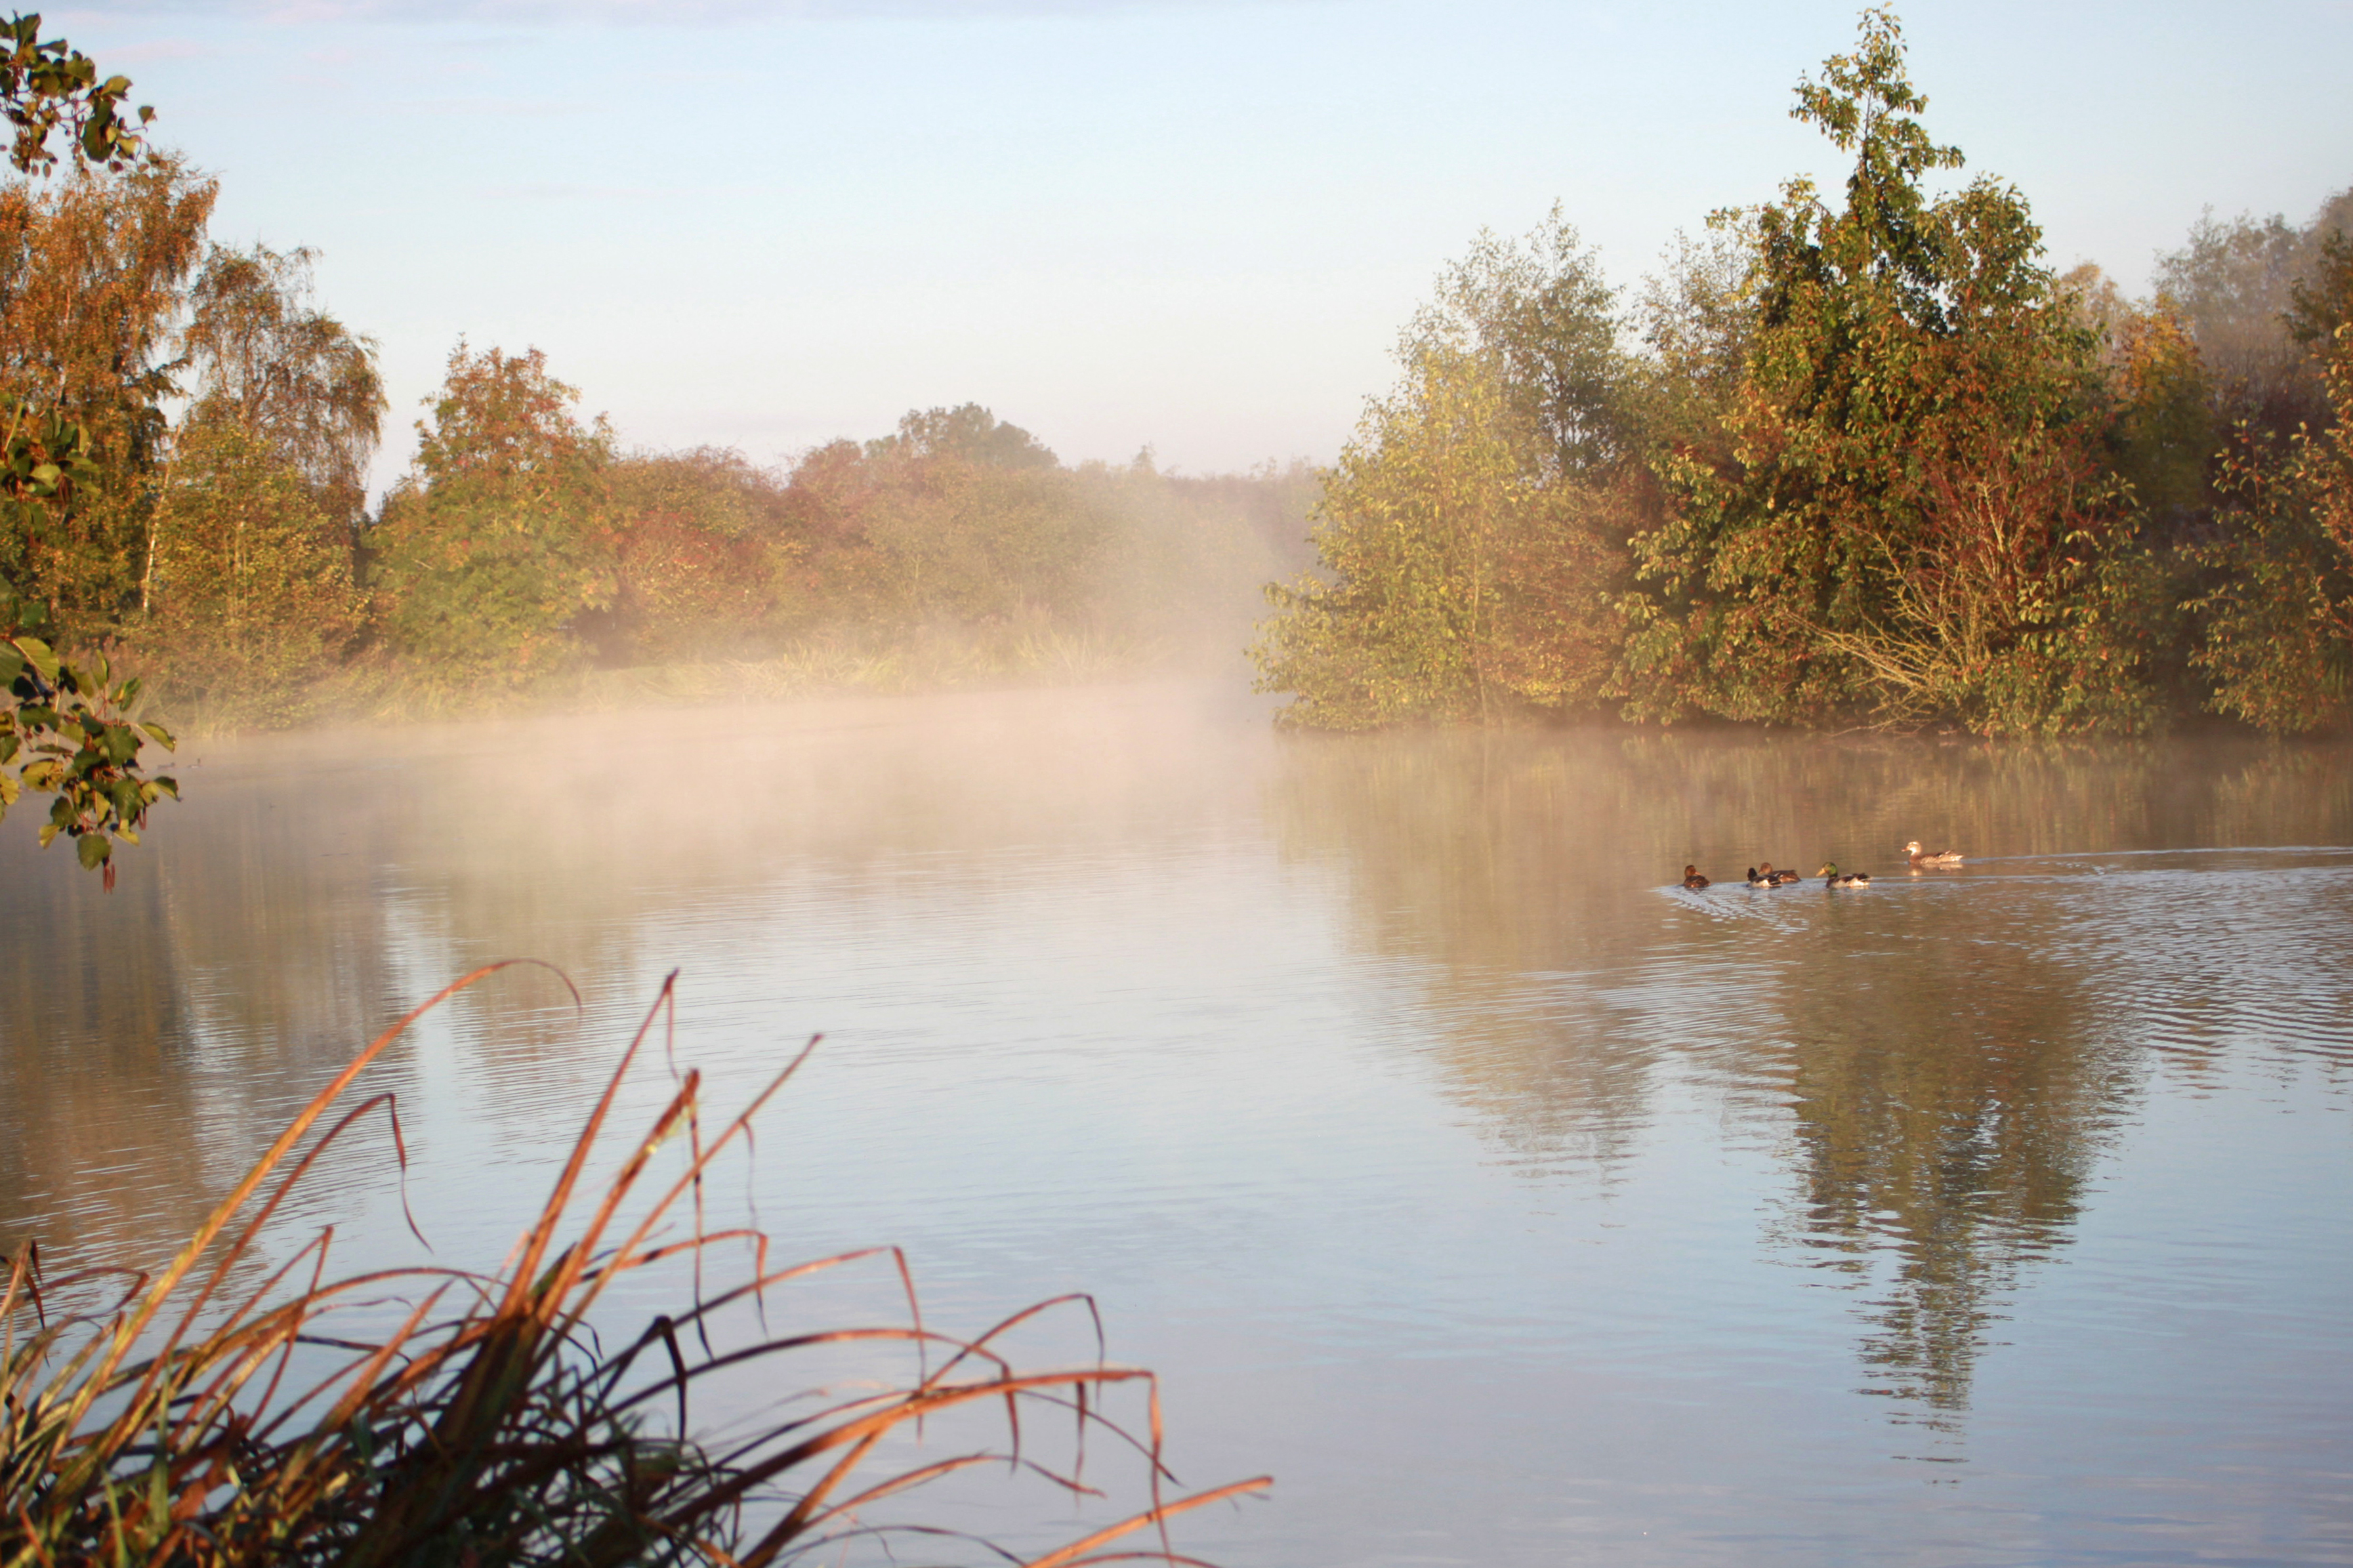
(199, 1417)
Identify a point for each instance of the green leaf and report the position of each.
(37, 653)
(163, 736)
(92, 849)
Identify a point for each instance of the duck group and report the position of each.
(1765, 876)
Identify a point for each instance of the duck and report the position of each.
(1833, 878)
(1765, 876)
(1692, 880)
(1940, 859)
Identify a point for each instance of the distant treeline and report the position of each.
(1865, 460)
(210, 525)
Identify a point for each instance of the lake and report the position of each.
(1504, 1201)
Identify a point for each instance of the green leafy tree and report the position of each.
(2322, 298)
(497, 542)
(1697, 320)
(1456, 567)
(1541, 307)
(2163, 431)
(1472, 536)
(1911, 524)
(967, 434)
(253, 599)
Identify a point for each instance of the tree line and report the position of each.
(186, 531)
(1854, 459)
(220, 537)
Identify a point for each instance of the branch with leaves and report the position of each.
(65, 730)
(48, 86)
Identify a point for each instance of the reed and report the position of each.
(190, 1419)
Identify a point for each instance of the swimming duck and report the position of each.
(1941, 859)
(1833, 878)
(1692, 880)
(1765, 876)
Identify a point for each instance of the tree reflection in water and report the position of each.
(1940, 1060)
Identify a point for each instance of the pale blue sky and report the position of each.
(1192, 224)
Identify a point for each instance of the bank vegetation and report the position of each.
(1851, 458)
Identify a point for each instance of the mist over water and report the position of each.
(1507, 1202)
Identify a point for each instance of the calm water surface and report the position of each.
(1508, 1204)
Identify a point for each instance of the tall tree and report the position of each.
(1910, 525)
(1461, 580)
(1542, 308)
(1472, 535)
(92, 270)
(497, 542)
(268, 361)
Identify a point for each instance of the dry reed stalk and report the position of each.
(499, 1434)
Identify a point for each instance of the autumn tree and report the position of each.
(251, 581)
(495, 544)
(265, 360)
(696, 551)
(956, 521)
(92, 270)
(1912, 524)
(66, 726)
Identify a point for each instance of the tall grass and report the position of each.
(187, 1420)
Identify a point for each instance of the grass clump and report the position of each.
(189, 1421)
